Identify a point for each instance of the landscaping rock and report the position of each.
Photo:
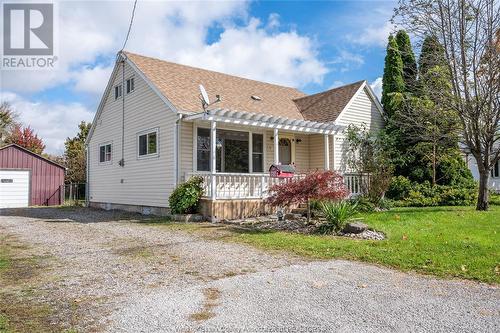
(188, 217)
(355, 228)
(367, 234)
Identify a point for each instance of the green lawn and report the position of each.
(444, 241)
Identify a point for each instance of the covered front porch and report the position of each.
(232, 151)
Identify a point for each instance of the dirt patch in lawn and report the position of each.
(24, 306)
(211, 301)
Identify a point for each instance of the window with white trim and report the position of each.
(148, 143)
(118, 91)
(257, 152)
(105, 153)
(130, 85)
(233, 151)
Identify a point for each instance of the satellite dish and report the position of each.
(204, 95)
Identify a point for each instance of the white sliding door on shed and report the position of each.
(14, 188)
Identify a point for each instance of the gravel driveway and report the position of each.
(104, 271)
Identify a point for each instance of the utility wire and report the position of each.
(130, 26)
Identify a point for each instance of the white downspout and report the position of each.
(87, 173)
(177, 148)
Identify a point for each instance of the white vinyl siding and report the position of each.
(149, 181)
(362, 110)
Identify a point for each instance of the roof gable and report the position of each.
(179, 83)
(328, 105)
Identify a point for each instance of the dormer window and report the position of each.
(256, 98)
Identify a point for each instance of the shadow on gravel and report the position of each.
(72, 214)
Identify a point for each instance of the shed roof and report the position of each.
(13, 145)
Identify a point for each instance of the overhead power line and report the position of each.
(130, 25)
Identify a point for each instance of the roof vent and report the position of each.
(256, 98)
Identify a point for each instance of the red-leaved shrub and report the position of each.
(318, 185)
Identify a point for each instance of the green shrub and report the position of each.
(425, 194)
(337, 215)
(186, 197)
(399, 188)
(494, 198)
(364, 204)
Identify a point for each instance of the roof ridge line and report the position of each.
(330, 90)
(212, 71)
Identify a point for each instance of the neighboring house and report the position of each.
(493, 181)
(151, 132)
(28, 179)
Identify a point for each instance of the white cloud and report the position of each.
(284, 58)
(175, 31)
(374, 35)
(92, 80)
(336, 84)
(347, 61)
(53, 122)
(377, 87)
(273, 21)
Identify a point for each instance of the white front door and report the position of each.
(14, 188)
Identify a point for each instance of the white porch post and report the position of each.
(276, 147)
(213, 159)
(327, 152)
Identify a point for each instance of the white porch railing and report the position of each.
(256, 185)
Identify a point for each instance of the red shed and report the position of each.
(28, 179)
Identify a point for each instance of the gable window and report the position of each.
(148, 143)
(105, 153)
(130, 85)
(118, 91)
(495, 172)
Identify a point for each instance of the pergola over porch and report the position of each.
(252, 185)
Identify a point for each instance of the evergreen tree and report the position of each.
(431, 55)
(392, 81)
(409, 62)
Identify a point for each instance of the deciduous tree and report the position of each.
(27, 138)
(7, 121)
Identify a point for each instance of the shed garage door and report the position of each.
(14, 188)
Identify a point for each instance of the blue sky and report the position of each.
(311, 45)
